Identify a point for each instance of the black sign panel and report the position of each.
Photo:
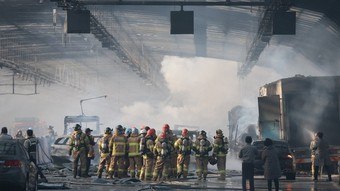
(78, 21)
(182, 22)
(284, 23)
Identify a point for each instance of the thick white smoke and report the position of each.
(202, 91)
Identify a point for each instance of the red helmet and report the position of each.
(165, 128)
(151, 132)
(185, 132)
(162, 135)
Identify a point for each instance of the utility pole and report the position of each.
(82, 100)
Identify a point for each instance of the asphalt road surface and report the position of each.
(232, 182)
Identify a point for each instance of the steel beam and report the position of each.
(172, 3)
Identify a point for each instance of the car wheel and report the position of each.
(291, 176)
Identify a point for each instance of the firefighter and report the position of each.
(105, 157)
(90, 151)
(172, 171)
(146, 148)
(162, 152)
(220, 150)
(183, 147)
(31, 144)
(142, 146)
(51, 134)
(135, 159)
(313, 152)
(19, 135)
(173, 155)
(127, 134)
(118, 150)
(202, 147)
(321, 149)
(78, 145)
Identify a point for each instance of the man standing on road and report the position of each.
(248, 154)
(4, 134)
(272, 170)
(220, 150)
(320, 149)
(31, 143)
(78, 145)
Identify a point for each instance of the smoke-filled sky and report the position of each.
(202, 91)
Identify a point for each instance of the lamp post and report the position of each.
(87, 99)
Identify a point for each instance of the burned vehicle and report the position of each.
(286, 158)
(60, 150)
(17, 170)
(294, 109)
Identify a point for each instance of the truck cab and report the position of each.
(91, 122)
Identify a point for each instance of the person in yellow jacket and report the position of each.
(183, 148)
(220, 150)
(78, 145)
(135, 159)
(202, 146)
(162, 154)
(105, 158)
(90, 151)
(118, 150)
(173, 155)
(146, 148)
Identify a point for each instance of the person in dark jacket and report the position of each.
(248, 154)
(321, 150)
(272, 169)
(4, 134)
(31, 145)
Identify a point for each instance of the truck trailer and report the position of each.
(294, 109)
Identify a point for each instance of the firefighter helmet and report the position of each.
(162, 135)
(108, 130)
(143, 131)
(151, 132)
(119, 130)
(203, 133)
(77, 127)
(219, 132)
(134, 131)
(128, 131)
(184, 132)
(147, 128)
(165, 128)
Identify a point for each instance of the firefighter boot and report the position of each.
(100, 172)
(316, 172)
(75, 171)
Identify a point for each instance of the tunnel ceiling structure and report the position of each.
(127, 43)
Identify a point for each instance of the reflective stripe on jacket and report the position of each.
(133, 143)
(118, 145)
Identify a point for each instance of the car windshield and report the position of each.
(61, 141)
(7, 148)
